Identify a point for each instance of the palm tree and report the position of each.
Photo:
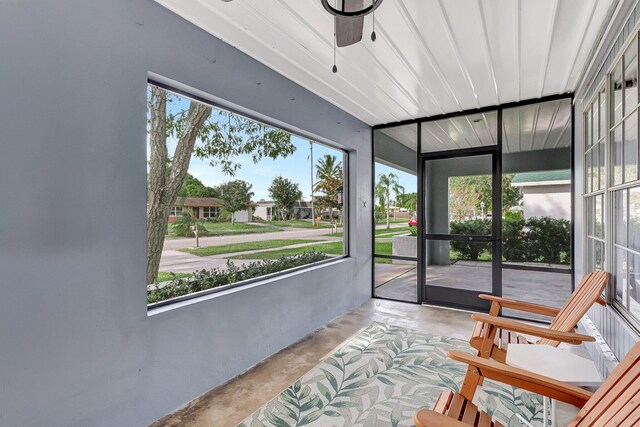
(329, 176)
(386, 184)
(328, 167)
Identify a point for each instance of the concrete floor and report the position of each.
(398, 281)
(232, 402)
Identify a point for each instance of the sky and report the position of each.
(406, 180)
(296, 167)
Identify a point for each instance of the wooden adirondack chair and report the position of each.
(615, 403)
(493, 334)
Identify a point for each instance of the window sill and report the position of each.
(186, 300)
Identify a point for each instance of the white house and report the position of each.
(546, 193)
(266, 210)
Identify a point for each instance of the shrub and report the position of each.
(182, 226)
(542, 239)
(549, 239)
(471, 250)
(214, 278)
(514, 239)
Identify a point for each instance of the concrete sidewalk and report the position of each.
(175, 261)
(287, 234)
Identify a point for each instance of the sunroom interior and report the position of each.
(286, 213)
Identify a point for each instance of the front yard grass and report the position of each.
(164, 276)
(383, 247)
(227, 229)
(242, 247)
(332, 248)
(392, 221)
(381, 232)
(298, 223)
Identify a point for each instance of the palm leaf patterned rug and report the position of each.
(381, 377)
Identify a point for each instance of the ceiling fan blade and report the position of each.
(349, 30)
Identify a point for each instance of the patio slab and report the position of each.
(398, 281)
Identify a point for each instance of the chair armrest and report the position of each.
(522, 306)
(429, 418)
(523, 379)
(525, 328)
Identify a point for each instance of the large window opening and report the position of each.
(232, 200)
(537, 204)
(493, 207)
(612, 183)
(395, 214)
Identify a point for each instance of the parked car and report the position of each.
(413, 222)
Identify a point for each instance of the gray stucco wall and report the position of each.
(77, 346)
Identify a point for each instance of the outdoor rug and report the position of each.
(381, 377)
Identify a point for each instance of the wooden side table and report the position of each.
(555, 363)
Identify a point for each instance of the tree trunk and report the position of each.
(166, 180)
(388, 227)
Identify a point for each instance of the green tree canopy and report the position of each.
(408, 201)
(230, 136)
(235, 196)
(193, 187)
(467, 193)
(285, 194)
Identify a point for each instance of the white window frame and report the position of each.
(609, 190)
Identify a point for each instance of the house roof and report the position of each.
(202, 202)
(560, 176)
(195, 202)
(270, 203)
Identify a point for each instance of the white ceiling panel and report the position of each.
(431, 56)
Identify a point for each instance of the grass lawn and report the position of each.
(241, 247)
(393, 221)
(298, 223)
(226, 228)
(163, 276)
(380, 232)
(332, 248)
(383, 248)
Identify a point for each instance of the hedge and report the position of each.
(538, 239)
(214, 278)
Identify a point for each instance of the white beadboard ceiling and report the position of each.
(431, 56)
(542, 126)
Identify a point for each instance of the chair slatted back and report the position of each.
(617, 401)
(587, 293)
